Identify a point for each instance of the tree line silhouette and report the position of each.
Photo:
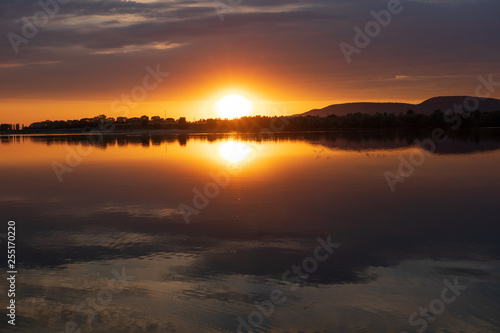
(408, 120)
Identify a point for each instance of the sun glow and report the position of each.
(234, 152)
(233, 106)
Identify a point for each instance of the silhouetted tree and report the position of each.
(182, 123)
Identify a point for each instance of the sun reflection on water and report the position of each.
(234, 152)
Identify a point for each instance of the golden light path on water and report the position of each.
(234, 152)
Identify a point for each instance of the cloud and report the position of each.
(36, 63)
(139, 48)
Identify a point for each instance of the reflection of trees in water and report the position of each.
(458, 141)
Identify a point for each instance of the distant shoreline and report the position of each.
(77, 132)
(96, 132)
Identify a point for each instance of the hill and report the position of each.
(426, 107)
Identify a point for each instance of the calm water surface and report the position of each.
(117, 210)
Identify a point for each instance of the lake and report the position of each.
(293, 232)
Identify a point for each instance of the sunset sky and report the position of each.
(283, 55)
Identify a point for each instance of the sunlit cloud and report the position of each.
(141, 48)
(35, 63)
(95, 22)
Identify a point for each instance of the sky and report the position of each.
(97, 57)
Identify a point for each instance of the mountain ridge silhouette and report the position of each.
(426, 107)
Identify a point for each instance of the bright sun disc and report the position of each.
(233, 106)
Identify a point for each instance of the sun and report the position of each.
(233, 106)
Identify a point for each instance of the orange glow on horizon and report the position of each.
(29, 111)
